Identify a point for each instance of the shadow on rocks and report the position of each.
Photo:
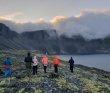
(53, 75)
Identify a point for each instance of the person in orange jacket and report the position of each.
(45, 63)
(56, 63)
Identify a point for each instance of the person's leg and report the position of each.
(9, 71)
(45, 67)
(5, 72)
(36, 69)
(55, 69)
(71, 68)
(33, 70)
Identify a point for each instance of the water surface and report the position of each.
(101, 61)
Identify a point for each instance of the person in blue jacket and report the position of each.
(71, 61)
(7, 64)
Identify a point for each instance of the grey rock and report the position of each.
(28, 90)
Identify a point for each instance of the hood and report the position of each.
(8, 58)
(71, 58)
(55, 57)
(44, 56)
(35, 60)
(28, 53)
(34, 57)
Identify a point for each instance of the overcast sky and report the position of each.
(91, 18)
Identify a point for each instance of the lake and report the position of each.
(101, 61)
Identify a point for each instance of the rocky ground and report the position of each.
(83, 80)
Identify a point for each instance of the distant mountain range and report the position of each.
(50, 42)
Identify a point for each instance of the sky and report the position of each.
(90, 18)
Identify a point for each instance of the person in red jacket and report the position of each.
(45, 63)
(56, 63)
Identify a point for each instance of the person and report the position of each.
(56, 63)
(7, 64)
(71, 61)
(28, 61)
(45, 63)
(35, 62)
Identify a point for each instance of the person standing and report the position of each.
(56, 63)
(7, 64)
(71, 61)
(35, 62)
(28, 61)
(45, 63)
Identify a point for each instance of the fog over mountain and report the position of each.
(91, 24)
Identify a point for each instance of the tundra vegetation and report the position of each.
(83, 80)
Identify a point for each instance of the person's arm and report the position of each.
(58, 62)
(43, 61)
(53, 62)
(10, 63)
(69, 61)
(25, 59)
(73, 61)
(31, 60)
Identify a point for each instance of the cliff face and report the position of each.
(45, 41)
(50, 42)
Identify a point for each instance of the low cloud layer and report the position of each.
(91, 24)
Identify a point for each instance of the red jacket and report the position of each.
(55, 61)
(45, 60)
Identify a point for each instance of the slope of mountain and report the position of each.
(50, 42)
(83, 80)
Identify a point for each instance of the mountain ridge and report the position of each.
(50, 42)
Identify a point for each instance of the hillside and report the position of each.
(48, 41)
(83, 80)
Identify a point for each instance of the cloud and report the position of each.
(91, 24)
(28, 26)
(11, 16)
(55, 19)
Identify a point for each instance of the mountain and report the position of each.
(49, 41)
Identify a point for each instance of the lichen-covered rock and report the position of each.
(83, 80)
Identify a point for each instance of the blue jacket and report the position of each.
(7, 62)
(71, 61)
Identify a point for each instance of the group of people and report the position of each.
(28, 61)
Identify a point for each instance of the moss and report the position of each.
(20, 91)
(2, 90)
(34, 79)
(62, 82)
(6, 80)
(38, 90)
(94, 86)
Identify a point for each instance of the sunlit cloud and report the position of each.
(95, 11)
(2, 18)
(11, 16)
(90, 23)
(55, 19)
(41, 19)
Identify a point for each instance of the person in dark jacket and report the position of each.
(28, 61)
(71, 61)
(7, 64)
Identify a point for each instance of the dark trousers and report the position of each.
(34, 70)
(71, 68)
(45, 67)
(56, 69)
